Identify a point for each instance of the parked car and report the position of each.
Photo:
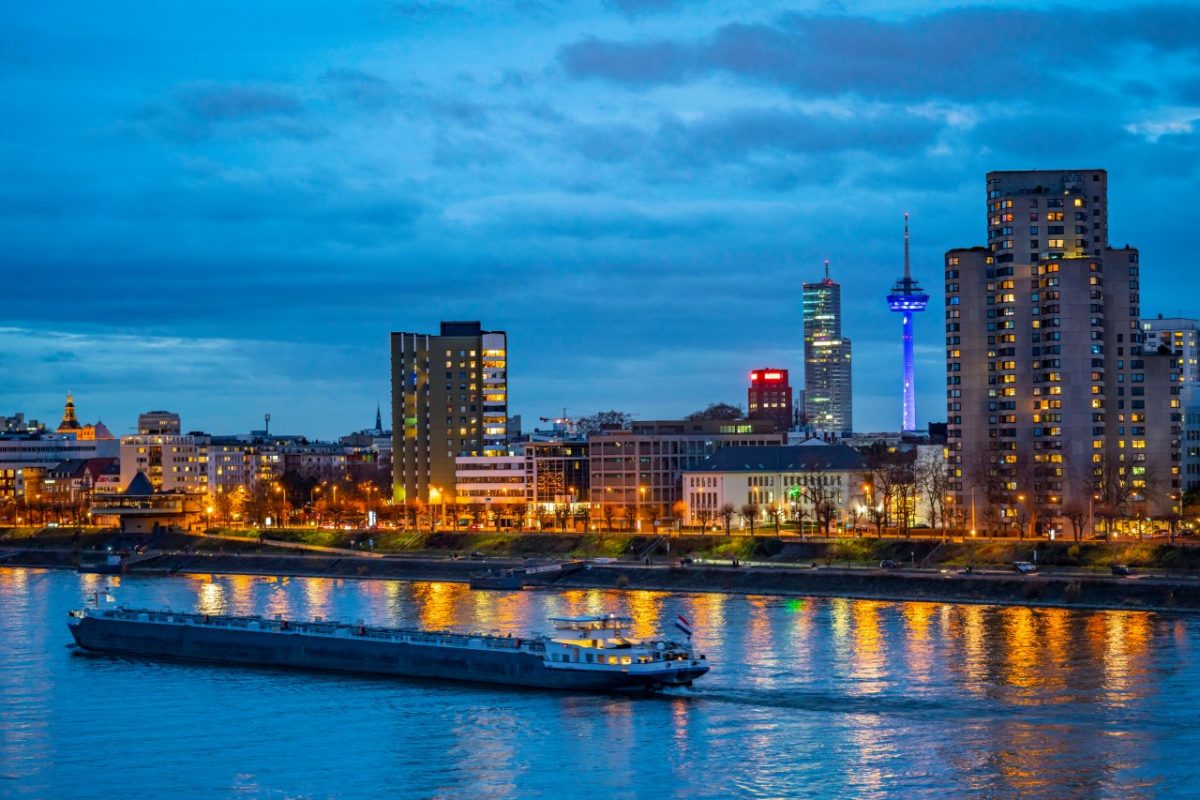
(888, 563)
(1024, 567)
(1121, 570)
(476, 554)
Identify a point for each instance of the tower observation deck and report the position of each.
(907, 298)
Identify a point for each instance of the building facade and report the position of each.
(1045, 375)
(794, 482)
(639, 471)
(171, 462)
(770, 397)
(828, 401)
(498, 485)
(449, 400)
(559, 473)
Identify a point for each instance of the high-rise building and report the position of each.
(1172, 349)
(449, 399)
(827, 390)
(1045, 372)
(907, 298)
(770, 397)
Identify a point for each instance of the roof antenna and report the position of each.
(827, 269)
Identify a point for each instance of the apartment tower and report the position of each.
(1045, 376)
(827, 390)
(449, 399)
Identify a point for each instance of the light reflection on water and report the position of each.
(807, 698)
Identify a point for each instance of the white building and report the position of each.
(173, 463)
(492, 480)
(792, 479)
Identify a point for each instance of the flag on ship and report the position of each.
(683, 625)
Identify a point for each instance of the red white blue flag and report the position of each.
(683, 625)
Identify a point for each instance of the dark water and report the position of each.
(807, 698)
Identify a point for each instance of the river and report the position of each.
(819, 698)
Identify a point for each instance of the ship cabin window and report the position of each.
(626, 660)
(589, 658)
(612, 659)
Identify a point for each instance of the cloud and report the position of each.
(963, 53)
(202, 111)
(361, 90)
(116, 375)
(553, 214)
(638, 8)
(422, 11)
(219, 103)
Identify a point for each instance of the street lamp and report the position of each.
(641, 500)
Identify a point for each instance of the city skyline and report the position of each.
(229, 230)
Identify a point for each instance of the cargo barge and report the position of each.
(593, 653)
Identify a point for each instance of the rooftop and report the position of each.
(806, 458)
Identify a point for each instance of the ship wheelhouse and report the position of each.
(602, 642)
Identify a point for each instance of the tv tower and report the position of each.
(907, 298)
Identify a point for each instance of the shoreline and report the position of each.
(1086, 593)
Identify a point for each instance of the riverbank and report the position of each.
(1156, 593)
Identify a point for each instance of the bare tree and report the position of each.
(1077, 515)
(775, 513)
(679, 511)
(750, 515)
(562, 514)
(608, 512)
(934, 479)
(723, 412)
(726, 514)
(604, 420)
(1115, 493)
(704, 516)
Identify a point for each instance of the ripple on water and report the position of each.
(807, 698)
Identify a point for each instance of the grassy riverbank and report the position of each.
(1156, 555)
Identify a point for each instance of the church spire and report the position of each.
(378, 418)
(69, 422)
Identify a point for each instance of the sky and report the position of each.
(223, 208)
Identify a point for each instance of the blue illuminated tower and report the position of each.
(907, 298)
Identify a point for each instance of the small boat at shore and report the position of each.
(521, 577)
(593, 653)
(105, 564)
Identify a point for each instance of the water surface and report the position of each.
(807, 698)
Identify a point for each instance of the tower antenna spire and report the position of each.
(827, 269)
(907, 298)
(907, 270)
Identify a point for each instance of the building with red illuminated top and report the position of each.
(770, 397)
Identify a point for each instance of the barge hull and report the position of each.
(351, 654)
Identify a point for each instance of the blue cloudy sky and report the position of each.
(222, 208)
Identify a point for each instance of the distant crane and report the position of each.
(564, 422)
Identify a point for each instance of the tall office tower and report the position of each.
(449, 399)
(770, 397)
(828, 402)
(907, 299)
(1045, 376)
